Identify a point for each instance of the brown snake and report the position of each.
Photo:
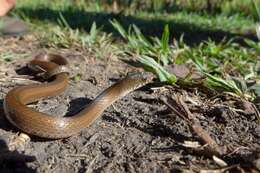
(43, 125)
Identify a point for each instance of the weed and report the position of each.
(151, 65)
(227, 65)
(7, 56)
(154, 52)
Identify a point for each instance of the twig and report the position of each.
(180, 108)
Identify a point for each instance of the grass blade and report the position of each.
(151, 65)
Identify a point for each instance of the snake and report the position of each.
(53, 67)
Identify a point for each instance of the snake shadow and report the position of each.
(4, 123)
(77, 105)
(32, 74)
(13, 161)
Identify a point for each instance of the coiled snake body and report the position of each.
(43, 125)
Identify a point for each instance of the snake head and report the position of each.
(141, 77)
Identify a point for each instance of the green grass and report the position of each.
(226, 65)
(217, 39)
(80, 16)
(229, 7)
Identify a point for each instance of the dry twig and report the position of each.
(180, 108)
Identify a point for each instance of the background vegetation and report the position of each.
(215, 37)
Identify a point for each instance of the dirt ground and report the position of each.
(137, 134)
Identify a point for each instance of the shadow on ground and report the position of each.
(77, 105)
(154, 27)
(12, 161)
(4, 124)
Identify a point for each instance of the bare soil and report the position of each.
(137, 134)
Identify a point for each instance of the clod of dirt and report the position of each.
(219, 113)
(182, 71)
(247, 107)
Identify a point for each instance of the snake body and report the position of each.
(46, 126)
